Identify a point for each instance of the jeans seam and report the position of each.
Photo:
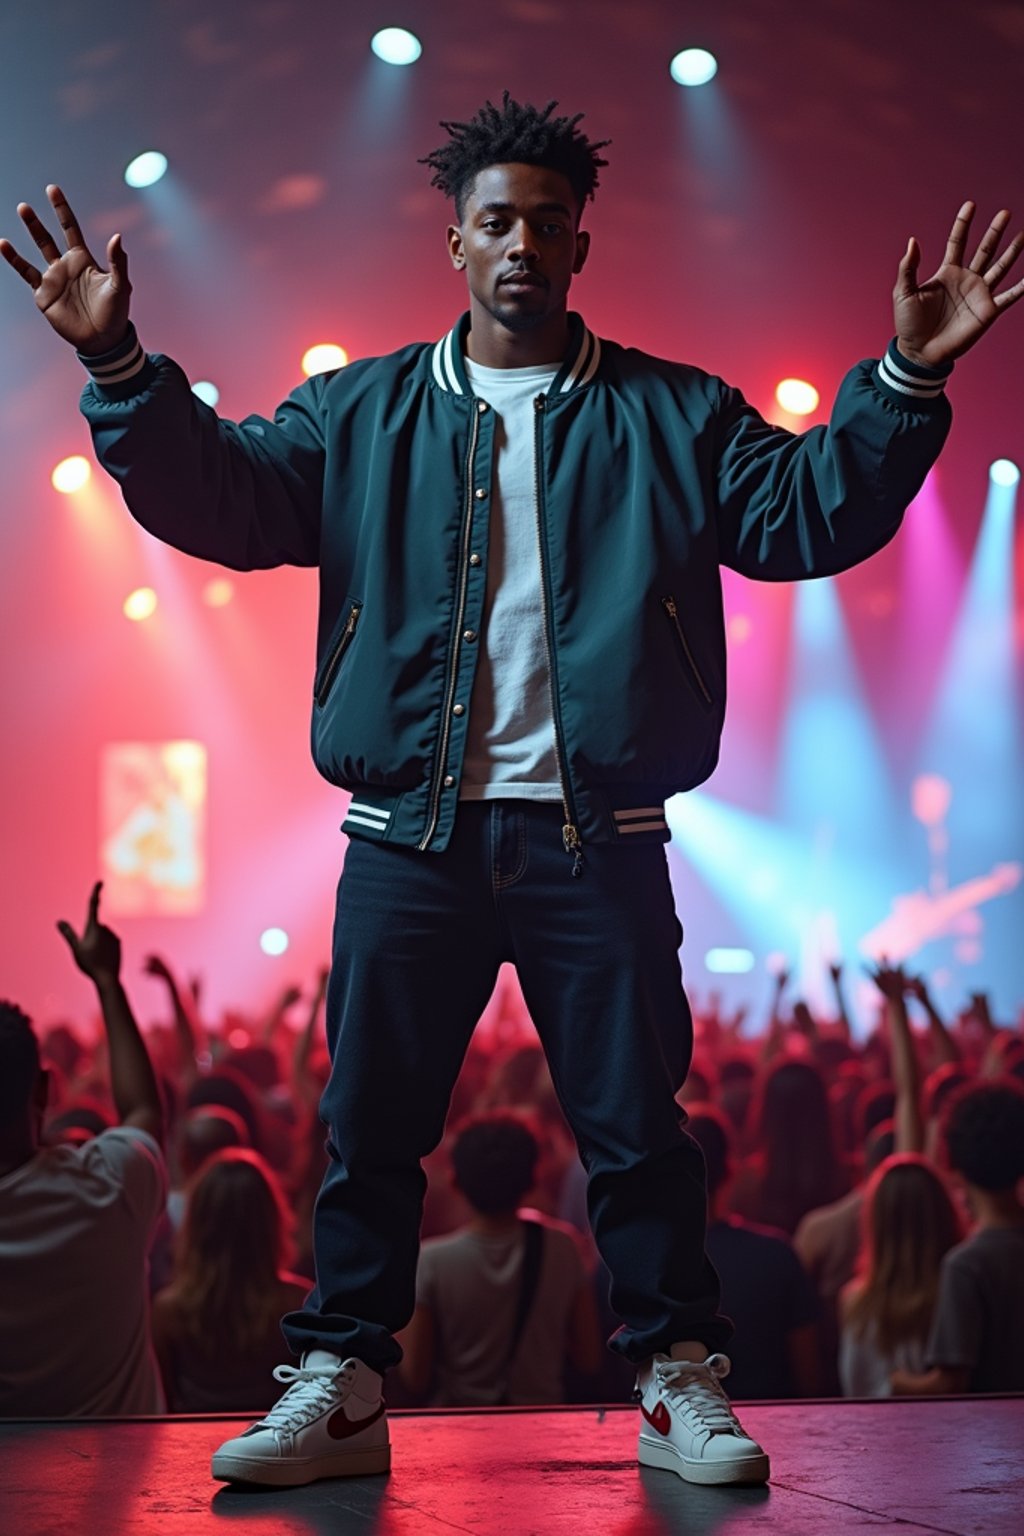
(504, 881)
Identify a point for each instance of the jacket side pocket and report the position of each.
(686, 655)
(339, 644)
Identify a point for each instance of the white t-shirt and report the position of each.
(75, 1229)
(510, 747)
(470, 1281)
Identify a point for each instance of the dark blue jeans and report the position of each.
(418, 940)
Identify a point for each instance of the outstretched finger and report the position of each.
(39, 232)
(989, 243)
(906, 277)
(68, 222)
(25, 269)
(94, 905)
(1003, 301)
(958, 235)
(999, 268)
(68, 933)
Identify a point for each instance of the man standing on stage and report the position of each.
(519, 530)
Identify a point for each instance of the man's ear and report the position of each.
(582, 249)
(455, 248)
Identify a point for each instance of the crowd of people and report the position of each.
(865, 1205)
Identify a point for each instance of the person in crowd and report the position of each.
(829, 1239)
(216, 1326)
(886, 1311)
(795, 1166)
(204, 1131)
(467, 1344)
(774, 1351)
(519, 530)
(977, 1337)
(76, 1222)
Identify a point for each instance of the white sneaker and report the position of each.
(689, 1426)
(331, 1422)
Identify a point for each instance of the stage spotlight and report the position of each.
(729, 962)
(694, 66)
(145, 169)
(273, 941)
(208, 393)
(323, 357)
(396, 46)
(140, 604)
(71, 474)
(797, 397)
(1004, 472)
(218, 592)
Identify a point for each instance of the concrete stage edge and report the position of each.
(950, 1465)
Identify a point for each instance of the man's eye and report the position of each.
(553, 229)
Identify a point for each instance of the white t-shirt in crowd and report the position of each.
(75, 1228)
(470, 1281)
(510, 749)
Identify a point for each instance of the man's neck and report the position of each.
(494, 1226)
(494, 346)
(994, 1209)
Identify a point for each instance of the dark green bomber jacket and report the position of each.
(650, 475)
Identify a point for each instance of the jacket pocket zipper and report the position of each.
(334, 659)
(669, 605)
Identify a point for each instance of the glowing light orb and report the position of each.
(396, 46)
(273, 941)
(694, 66)
(729, 962)
(208, 393)
(71, 474)
(218, 592)
(797, 397)
(323, 357)
(145, 169)
(140, 604)
(238, 1039)
(1004, 472)
(930, 797)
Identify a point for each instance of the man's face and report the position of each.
(519, 244)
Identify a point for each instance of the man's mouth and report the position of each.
(523, 280)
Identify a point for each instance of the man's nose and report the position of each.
(524, 245)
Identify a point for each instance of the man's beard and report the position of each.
(517, 320)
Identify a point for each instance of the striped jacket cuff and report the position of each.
(907, 382)
(121, 364)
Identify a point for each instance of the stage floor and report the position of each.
(947, 1465)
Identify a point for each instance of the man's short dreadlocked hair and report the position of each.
(514, 133)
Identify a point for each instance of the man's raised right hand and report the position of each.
(85, 305)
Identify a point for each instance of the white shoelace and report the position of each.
(695, 1388)
(311, 1392)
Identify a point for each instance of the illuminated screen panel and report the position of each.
(153, 827)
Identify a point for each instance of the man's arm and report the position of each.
(97, 953)
(247, 495)
(906, 1069)
(813, 504)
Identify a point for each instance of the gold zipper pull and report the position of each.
(573, 843)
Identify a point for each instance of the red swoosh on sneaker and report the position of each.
(660, 1419)
(339, 1426)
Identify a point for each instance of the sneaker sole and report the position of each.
(291, 1472)
(747, 1469)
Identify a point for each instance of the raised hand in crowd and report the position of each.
(85, 305)
(97, 953)
(906, 1069)
(186, 1031)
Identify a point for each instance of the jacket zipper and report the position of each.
(453, 669)
(669, 605)
(334, 660)
(571, 840)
